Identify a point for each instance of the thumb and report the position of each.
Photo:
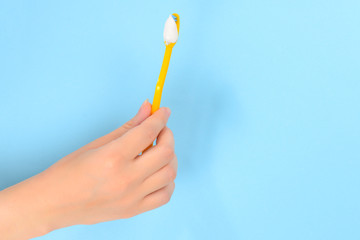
(143, 113)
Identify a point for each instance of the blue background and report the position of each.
(265, 99)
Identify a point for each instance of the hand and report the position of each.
(105, 180)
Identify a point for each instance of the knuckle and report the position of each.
(159, 122)
(107, 152)
(105, 158)
(165, 198)
(115, 152)
(163, 120)
(128, 125)
(170, 173)
(170, 132)
(168, 152)
(121, 156)
(150, 134)
(166, 195)
(125, 183)
(110, 165)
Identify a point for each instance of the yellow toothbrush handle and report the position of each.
(160, 83)
(161, 80)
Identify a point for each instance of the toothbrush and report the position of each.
(170, 38)
(171, 33)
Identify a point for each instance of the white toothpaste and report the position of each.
(170, 31)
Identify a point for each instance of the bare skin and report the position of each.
(105, 180)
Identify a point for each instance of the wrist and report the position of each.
(24, 210)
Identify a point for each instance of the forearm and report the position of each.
(24, 214)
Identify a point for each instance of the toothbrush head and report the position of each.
(171, 29)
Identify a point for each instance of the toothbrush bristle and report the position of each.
(174, 17)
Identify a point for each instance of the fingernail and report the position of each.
(142, 105)
(146, 101)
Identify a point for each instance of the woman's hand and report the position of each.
(105, 180)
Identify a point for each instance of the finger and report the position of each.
(157, 198)
(143, 113)
(160, 179)
(138, 138)
(166, 138)
(156, 157)
(151, 145)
